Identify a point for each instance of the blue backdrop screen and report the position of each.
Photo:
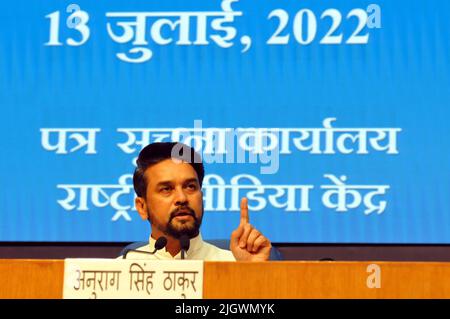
(330, 116)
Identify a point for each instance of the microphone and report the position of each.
(184, 244)
(160, 243)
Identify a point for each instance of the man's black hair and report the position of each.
(157, 152)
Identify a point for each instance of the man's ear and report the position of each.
(141, 207)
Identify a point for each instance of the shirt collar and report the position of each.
(195, 244)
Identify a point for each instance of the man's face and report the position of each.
(173, 200)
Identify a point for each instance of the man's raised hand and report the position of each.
(247, 243)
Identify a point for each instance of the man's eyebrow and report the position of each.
(164, 183)
(190, 180)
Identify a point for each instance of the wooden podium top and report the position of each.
(25, 278)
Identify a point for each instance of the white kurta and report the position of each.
(198, 250)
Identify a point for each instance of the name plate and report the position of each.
(137, 279)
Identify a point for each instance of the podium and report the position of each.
(26, 278)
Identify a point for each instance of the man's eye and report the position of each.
(192, 186)
(165, 189)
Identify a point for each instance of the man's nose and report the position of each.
(181, 198)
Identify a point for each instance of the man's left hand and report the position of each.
(247, 243)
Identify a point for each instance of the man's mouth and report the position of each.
(184, 213)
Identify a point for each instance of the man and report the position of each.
(168, 181)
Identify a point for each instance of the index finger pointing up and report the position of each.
(244, 211)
